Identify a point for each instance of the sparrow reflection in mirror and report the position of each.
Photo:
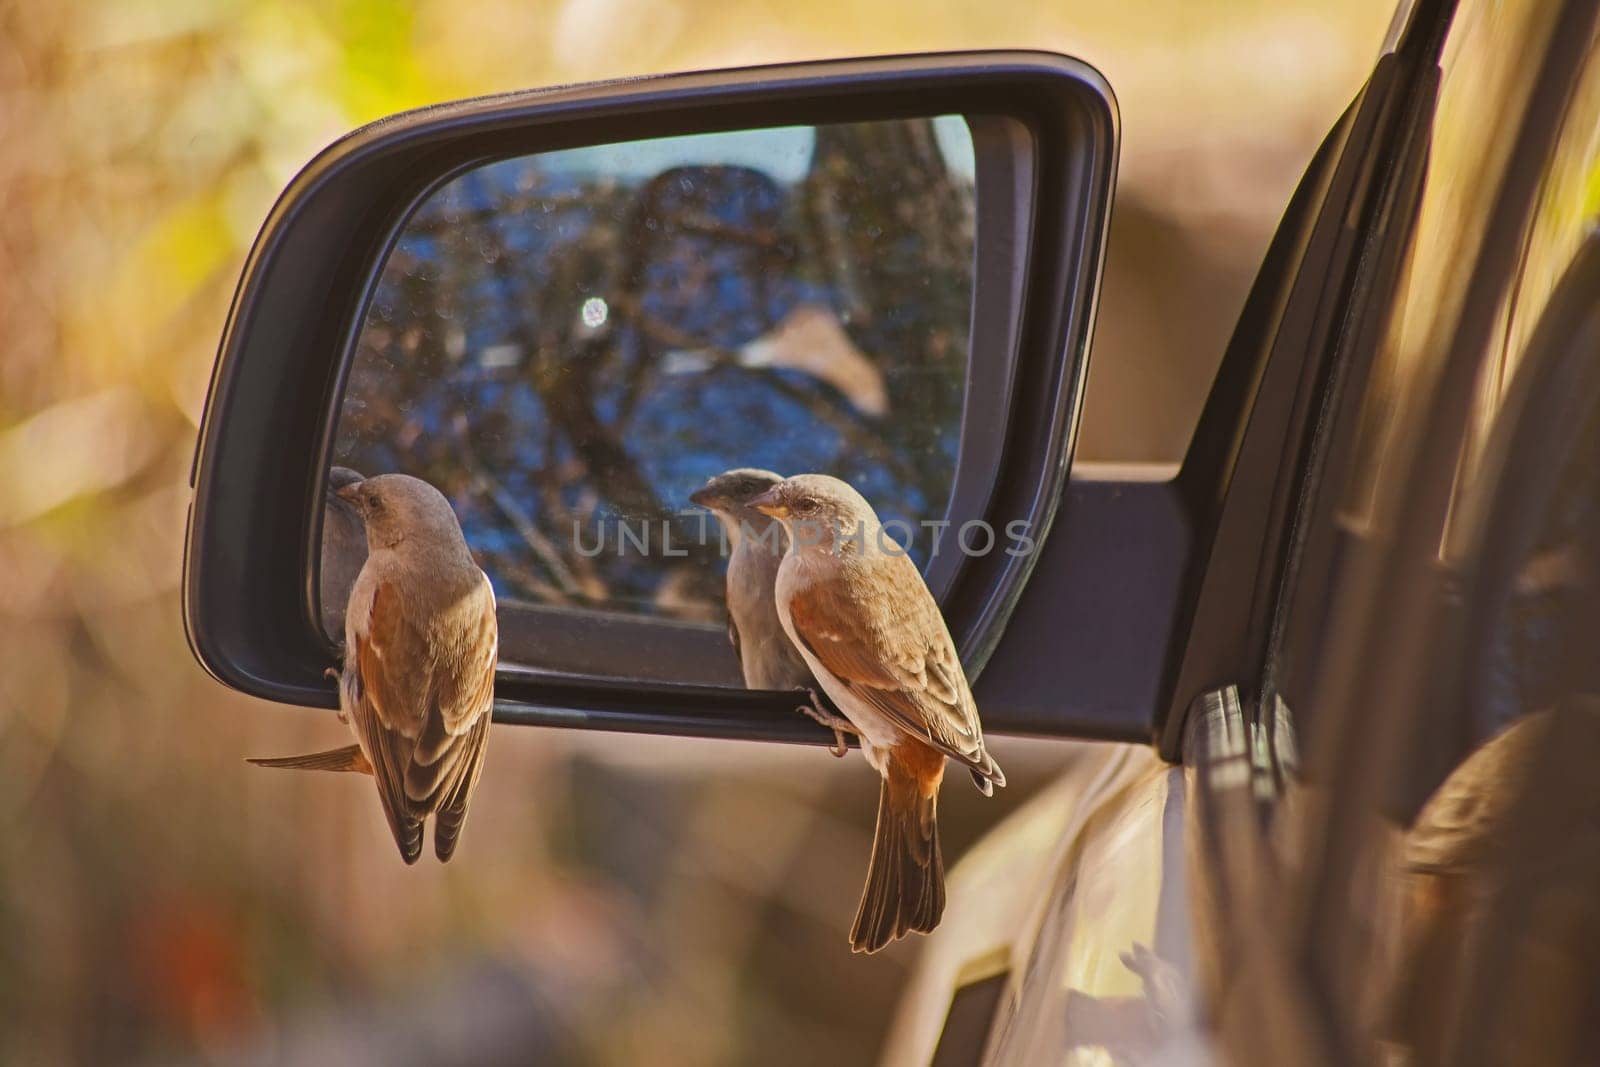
(757, 542)
(421, 643)
(344, 550)
(856, 607)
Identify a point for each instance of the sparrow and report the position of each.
(344, 550)
(858, 610)
(767, 657)
(421, 644)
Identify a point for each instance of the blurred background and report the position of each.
(614, 900)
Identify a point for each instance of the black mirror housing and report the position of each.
(1045, 133)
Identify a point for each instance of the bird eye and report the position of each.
(807, 503)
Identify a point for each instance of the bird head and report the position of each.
(398, 507)
(816, 508)
(340, 477)
(728, 495)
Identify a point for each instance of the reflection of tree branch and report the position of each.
(566, 387)
(569, 399)
(872, 238)
(680, 204)
(640, 371)
(567, 392)
(532, 585)
(853, 430)
(848, 425)
(704, 224)
(561, 517)
(697, 223)
(523, 523)
(525, 205)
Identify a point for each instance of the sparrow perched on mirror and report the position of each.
(421, 643)
(858, 610)
(767, 658)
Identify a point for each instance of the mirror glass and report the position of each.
(568, 344)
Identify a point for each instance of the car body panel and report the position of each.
(1080, 900)
(1286, 930)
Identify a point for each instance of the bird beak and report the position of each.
(339, 477)
(703, 497)
(767, 503)
(348, 494)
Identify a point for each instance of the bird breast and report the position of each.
(800, 570)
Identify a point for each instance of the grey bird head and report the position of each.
(815, 507)
(339, 477)
(728, 495)
(398, 508)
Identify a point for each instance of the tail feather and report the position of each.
(905, 878)
(988, 775)
(407, 837)
(447, 831)
(348, 758)
(452, 813)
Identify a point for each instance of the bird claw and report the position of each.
(840, 747)
(337, 675)
(838, 724)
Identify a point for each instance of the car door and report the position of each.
(1429, 666)
(1198, 949)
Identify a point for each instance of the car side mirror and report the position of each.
(568, 308)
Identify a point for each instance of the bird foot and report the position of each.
(336, 675)
(837, 723)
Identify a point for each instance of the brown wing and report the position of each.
(466, 708)
(899, 657)
(733, 639)
(416, 721)
(467, 767)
